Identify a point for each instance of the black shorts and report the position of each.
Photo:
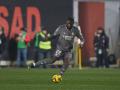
(60, 54)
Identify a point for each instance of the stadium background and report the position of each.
(44, 13)
(53, 13)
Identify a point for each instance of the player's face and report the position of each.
(69, 24)
(100, 31)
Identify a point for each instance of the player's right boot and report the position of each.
(32, 65)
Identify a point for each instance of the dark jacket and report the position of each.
(101, 42)
(2, 43)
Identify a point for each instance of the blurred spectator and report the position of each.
(22, 42)
(36, 44)
(43, 42)
(101, 45)
(2, 42)
(12, 49)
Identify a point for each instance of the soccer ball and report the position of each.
(56, 78)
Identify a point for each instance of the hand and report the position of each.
(80, 45)
(18, 38)
(48, 35)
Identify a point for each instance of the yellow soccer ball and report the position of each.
(56, 78)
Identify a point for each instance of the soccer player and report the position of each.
(66, 34)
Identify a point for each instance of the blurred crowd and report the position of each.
(18, 48)
(21, 47)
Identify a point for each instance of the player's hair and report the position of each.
(100, 28)
(70, 19)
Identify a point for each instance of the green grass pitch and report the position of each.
(74, 79)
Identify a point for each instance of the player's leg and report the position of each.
(42, 62)
(39, 62)
(36, 54)
(66, 62)
(40, 57)
(56, 55)
(47, 57)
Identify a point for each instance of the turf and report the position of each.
(74, 79)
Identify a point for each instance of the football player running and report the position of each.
(66, 34)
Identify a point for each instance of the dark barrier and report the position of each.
(31, 14)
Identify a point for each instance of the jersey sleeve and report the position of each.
(78, 33)
(57, 31)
